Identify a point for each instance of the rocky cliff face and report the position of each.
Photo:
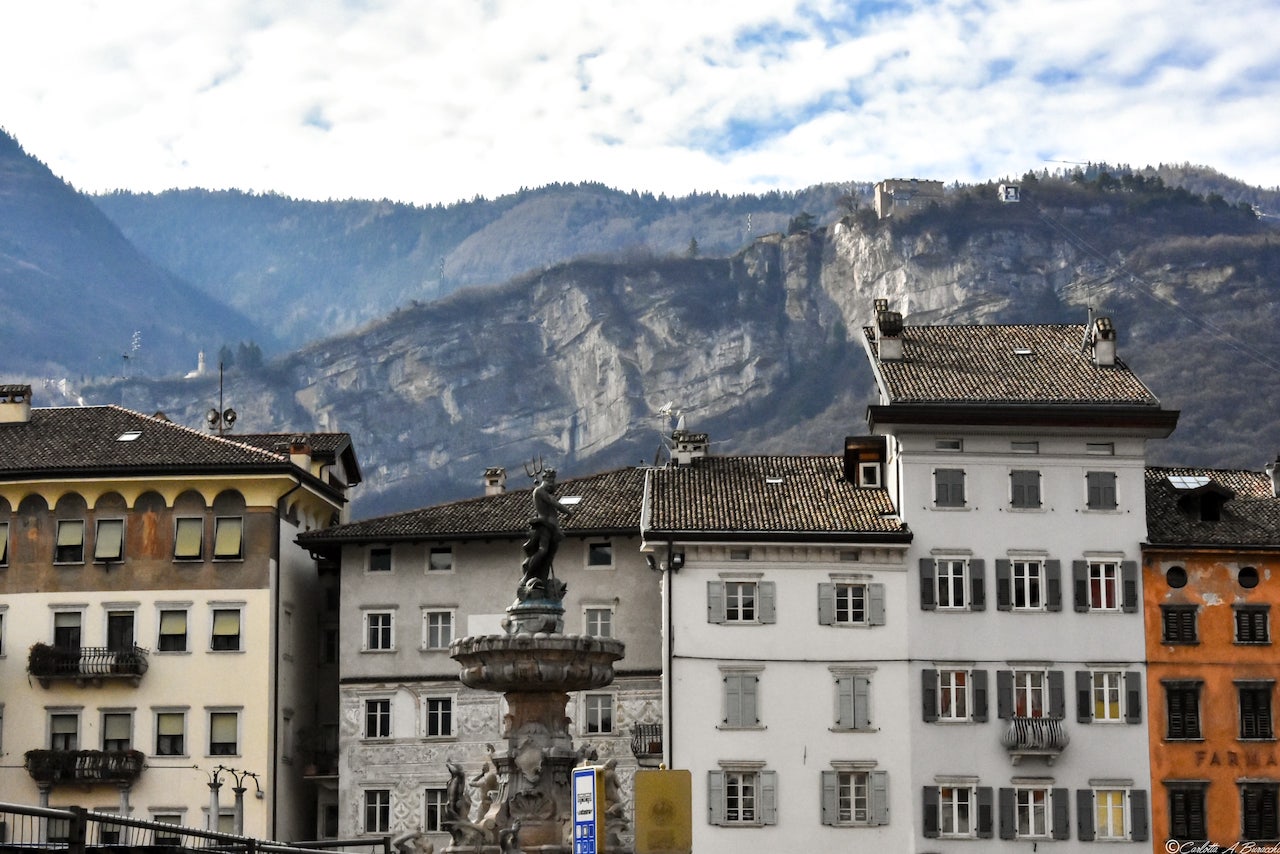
(762, 350)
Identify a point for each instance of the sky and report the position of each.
(434, 101)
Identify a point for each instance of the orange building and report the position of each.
(1211, 578)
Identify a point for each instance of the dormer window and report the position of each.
(869, 475)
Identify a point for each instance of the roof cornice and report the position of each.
(1154, 421)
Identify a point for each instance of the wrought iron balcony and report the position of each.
(1045, 737)
(86, 663)
(50, 767)
(646, 744)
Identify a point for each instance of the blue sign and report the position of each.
(585, 814)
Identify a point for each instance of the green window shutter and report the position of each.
(715, 601)
(1053, 585)
(1084, 815)
(1008, 830)
(1084, 696)
(1129, 586)
(875, 604)
(715, 797)
(768, 598)
(1080, 581)
(929, 802)
(845, 702)
(1004, 694)
(929, 694)
(879, 784)
(829, 813)
(1004, 575)
(1138, 815)
(1057, 694)
(862, 702)
(1061, 813)
(826, 604)
(1133, 697)
(769, 797)
(978, 585)
(978, 679)
(985, 818)
(928, 593)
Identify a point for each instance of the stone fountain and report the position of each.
(526, 807)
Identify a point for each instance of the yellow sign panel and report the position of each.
(664, 812)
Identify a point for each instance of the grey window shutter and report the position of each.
(1138, 814)
(826, 604)
(929, 801)
(1057, 694)
(875, 604)
(928, 597)
(1004, 694)
(1084, 696)
(1084, 815)
(1053, 585)
(1004, 575)
(929, 694)
(1133, 697)
(978, 585)
(715, 601)
(1008, 830)
(732, 699)
(1061, 814)
(1080, 582)
(828, 797)
(879, 797)
(862, 702)
(750, 699)
(715, 797)
(985, 818)
(769, 797)
(1129, 586)
(844, 702)
(768, 597)
(979, 681)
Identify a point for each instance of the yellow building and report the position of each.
(158, 625)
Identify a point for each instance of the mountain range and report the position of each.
(573, 323)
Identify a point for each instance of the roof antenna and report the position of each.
(1088, 333)
(220, 420)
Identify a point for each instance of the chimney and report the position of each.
(1104, 343)
(1273, 472)
(495, 480)
(888, 332)
(687, 446)
(15, 404)
(300, 452)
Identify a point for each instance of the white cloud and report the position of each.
(436, 100)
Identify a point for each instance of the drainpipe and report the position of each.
(670, 740)
(276, 609)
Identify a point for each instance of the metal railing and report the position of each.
(84, 766)
(86, 662)
(1035, 735)
(646, 743)
(77, 830)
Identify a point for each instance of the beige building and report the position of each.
(157, 619)
(899, 197)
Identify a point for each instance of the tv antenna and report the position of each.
(220, 420)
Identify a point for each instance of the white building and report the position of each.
(156, 619)
(1016, 455)
(786, 685)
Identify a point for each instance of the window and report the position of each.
(853, 700)
(224, 733)
(1026, 812)
(440, 559)
(855, 797)
(168, 839)
(1026, 447)
(173, 630)
(1182, 707)
(1100, 449)
(108, 545)
(1028, 584)
(171, 730)
(743, 797)
(1255, 710)
(228, 538)
(740, 601)
(377, 718)
(380, 559)
(739, 553)
(64, 731)
(598, 711)
(1258, 811)
(66, 629)
(226, 630)
(4, 543)
(600, 554)
(846, 603)
(1248, 577)
(957, 811)
(954, 695)
(869, 475)
(434, 801)
(120, 631)
(1112, 812)
(952, 584)
(188, 538)
(1031, 693)
(1100, 490)
(952, 446)
(598, 622)
(741, 698)
(437, 629)
(1252, 624)
(377, 810)
(439, 717)
(70, 543)
(1186, 811)
(1106, 585)
(1178, 624)
(379, 631)
(948, 487)
(1108, 696)
(1024, 486)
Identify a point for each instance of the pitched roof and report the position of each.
(1249, 517)
(1040, 364)
(327, 446)
(610, 502)
(770, 496)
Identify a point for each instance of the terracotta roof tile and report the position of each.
(1250, 517)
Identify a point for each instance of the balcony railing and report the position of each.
(646, 744)
(1045, 737)
(50, 767)
(86, 663)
